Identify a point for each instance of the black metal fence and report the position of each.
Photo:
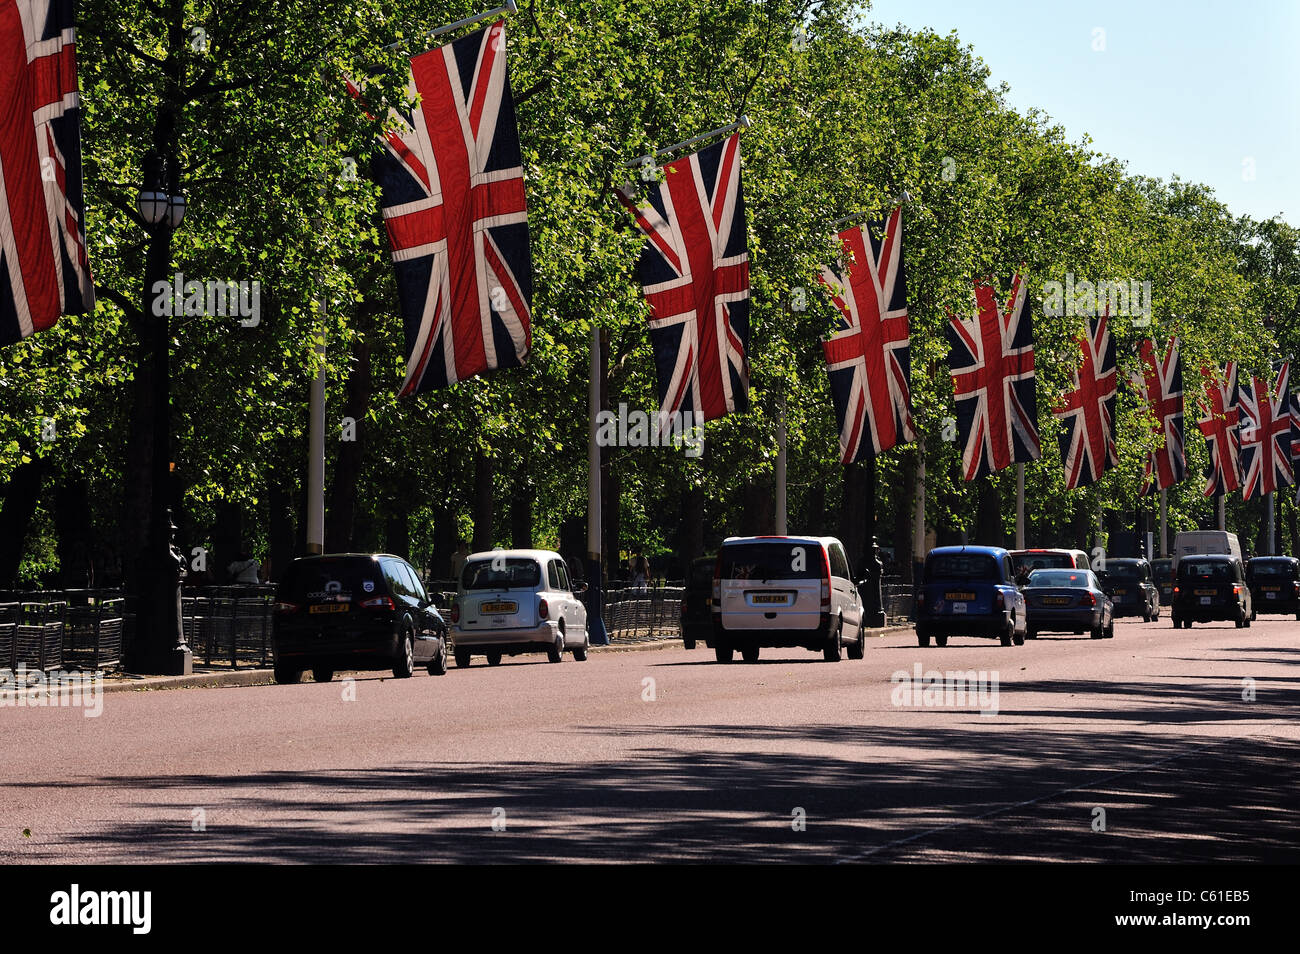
(66, 630)
(229, 625)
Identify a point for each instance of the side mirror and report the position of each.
(579, 588)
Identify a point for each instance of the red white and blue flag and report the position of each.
(1161, 384)
(1219, 425)
(991, 358)
(1265, 439)
(868, 359)
(453, 203)
(44, 269)
(694, 270)
(1088, 442)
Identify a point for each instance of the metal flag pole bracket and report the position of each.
(845, 219)
(743, 123)
(510, 7)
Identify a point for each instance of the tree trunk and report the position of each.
(989, 530)
(853, 491)
(227, 540)
(445, 539)
(397, 534)
(903, 496)
(521, 507)
(21, 497)
(483, 501)
(341, 507)
(279, 531)
(72, 527)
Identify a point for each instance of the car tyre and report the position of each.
(859, 649)
(323, 675)
(1031, 633)
(941, 641)
(438, 664)
(462, 658)
(834, 649)
(288, 675)
(923, 639)
(1098, 632)
(723, 654)
(580, 653)
(494, 659)
(749, 654)
(404, 664)
(688, 643)
(556, 651)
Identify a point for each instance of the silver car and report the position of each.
(518, 601)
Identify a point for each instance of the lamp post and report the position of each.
(160, 645)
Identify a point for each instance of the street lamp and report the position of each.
(160, 645)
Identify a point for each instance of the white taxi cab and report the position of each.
(518, 601)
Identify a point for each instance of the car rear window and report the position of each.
(1077, 578)
(978, 567)
(511, 573)
(1124, 571)
(772, 561)
(332, 579)
(1204, 570)
(1028, 562)
(1285, 571)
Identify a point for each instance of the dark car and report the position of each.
(697, 613)
(1274, 583)
(1068, 601)
(1162, 575)
(349, 611)
(1210, 587)
(969, 591)
(1128, 584)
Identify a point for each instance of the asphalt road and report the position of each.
(791, 759)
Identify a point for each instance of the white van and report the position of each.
(1203, 542)
(785, 591)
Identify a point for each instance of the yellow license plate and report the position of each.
(771, 598)
(959, 596)
(1056, 601)
(328, 608)
(1270, 589)
(1205, 592)
(503, 607)
(1121, 592)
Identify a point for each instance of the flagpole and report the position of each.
(782, 527)
(1223, 512)
(744, 122)
(1020, 506)
(316, 422)
(918, 513)
(595, 623)
(510, 7)
(1164, 521)
(1270, 518)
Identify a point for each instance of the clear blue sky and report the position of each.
(1187, 88)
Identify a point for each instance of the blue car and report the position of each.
(969, 591)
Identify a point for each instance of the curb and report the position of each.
(262, 677)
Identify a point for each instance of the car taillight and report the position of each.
(455, 612)
(1236, 589)
(1089, 599)
(286, 607)
(379, 602)
(542, 609)
(1001, 600)
(826, 581)
(1175, 589)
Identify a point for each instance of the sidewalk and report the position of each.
(220, 678)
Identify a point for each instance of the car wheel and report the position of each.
(941, 641)
(556, 651)
(494, 659)
(1098, 632)
(1187, 624)
(1253, 614)
(1018, 639)
(723, 654)
(1031, 633)
(1176, 621)
(749, 654)
(323, 675)
(438, 664)
(859, 649)
(688, 643)
(288, 675)
(462, 659)
(1146, 615)
(923, 639)
(580, 652)
(404, 664)
(1005, 638)
(1110, 630)
(834, 649)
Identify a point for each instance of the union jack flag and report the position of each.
(1293, 408)
(694, 270)
(44, 269)
(868, 360)
(1219, 425)
(991, 357)
(1161, 384)
(453, 202)
(1265, 439)
(1088, 442)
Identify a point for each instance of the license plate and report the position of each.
(959, 607)
(1121, 592)
(505, 606)
(959, 596)
(1056, 601)
(1270, 589)
(1205, 601)
(775, 599)
(328, 608)
(1205, 592)
(1271, 596)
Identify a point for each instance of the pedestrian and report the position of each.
(244, 569)
(459, 557)
(640, 572)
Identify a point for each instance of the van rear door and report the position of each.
(771, 584)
